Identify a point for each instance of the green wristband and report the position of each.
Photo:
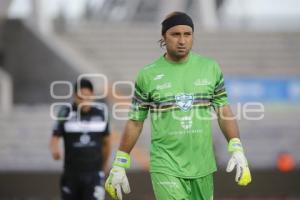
(122, 160)
(235, 145)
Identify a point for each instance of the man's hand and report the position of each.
(55, 153)
(117, 179)
(54, 148)
(238, 159)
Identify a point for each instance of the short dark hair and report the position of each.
(83, 83)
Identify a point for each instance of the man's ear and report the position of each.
(162, 42)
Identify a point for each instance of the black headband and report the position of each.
(178, 19)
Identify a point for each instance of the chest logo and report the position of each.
(164, 86)
(202, 82)
(186, 122)
(158, 77)
(184, 101)
(84, 139)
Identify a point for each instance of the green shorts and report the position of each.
(168, 187)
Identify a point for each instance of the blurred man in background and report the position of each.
(179, 89)
(85, 130)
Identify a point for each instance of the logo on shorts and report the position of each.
(170, 184)
(184, 101)
(99, 193)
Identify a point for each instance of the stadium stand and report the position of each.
(24, 143)
(239, 53)
(122, 50)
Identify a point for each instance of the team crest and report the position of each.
(184, 101)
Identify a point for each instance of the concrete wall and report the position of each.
(32, 64)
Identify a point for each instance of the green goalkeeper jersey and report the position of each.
(180, 97)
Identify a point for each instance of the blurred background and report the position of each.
(256, 42)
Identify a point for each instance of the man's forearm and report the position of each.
(227, 122)
(238, 160)
(131, 133)
(117, 179)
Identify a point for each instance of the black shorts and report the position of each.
(82, 186)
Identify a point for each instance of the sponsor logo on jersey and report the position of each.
(186, 122)
(164, 86)
(75, 126)
(184, 101)
(85, 139)
(202, 82)
(186, 131)
(97, 119)
(158, 77)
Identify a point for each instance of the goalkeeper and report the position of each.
(179, 89)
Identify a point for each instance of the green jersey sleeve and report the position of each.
(220, 95)
(140, 102)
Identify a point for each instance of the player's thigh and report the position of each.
(93, 186)
(169, 187)
(202, 188)
(69, 187)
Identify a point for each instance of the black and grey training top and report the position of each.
(83, 134)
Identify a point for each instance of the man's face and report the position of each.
(83, 97)
(179, 41)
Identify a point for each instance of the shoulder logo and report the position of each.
(202, 82)
(184, 101)
(158, 77)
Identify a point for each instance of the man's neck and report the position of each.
(176, 59)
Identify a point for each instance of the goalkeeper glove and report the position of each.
(117, 178)
(238, 159)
